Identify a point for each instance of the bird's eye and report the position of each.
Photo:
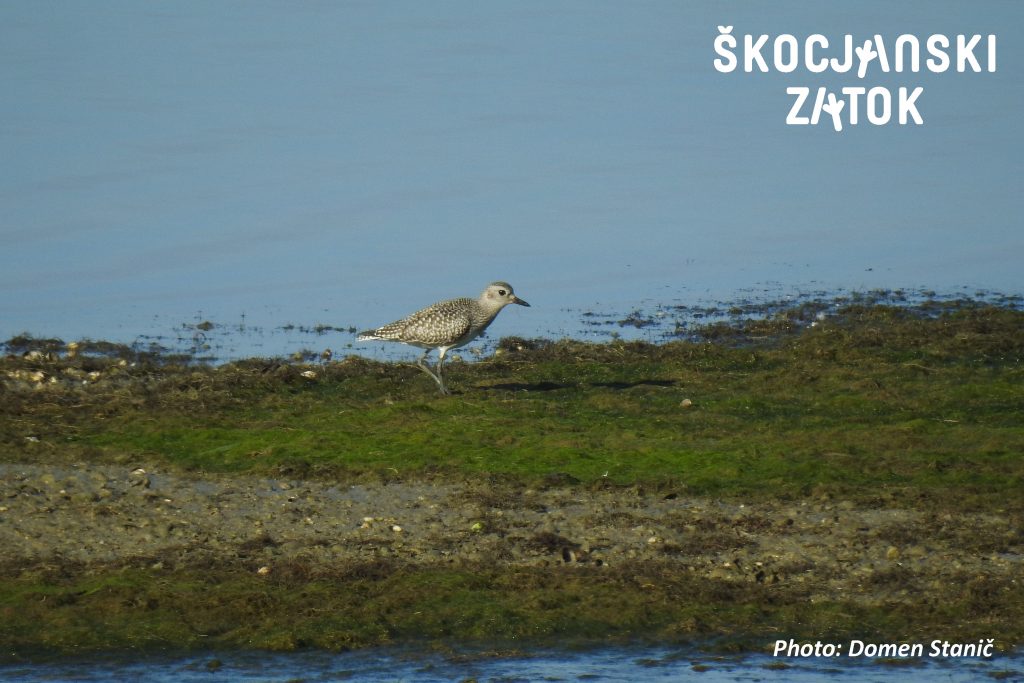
(502, 292)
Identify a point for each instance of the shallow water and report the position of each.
(651, 320)
(616, 664)
(264, 166)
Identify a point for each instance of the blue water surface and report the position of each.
(267, 164)
(608, 665)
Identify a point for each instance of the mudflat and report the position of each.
(860, 476)
(99, 515)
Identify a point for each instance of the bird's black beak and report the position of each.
(517, 300)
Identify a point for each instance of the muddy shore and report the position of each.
(141, 515)
(851, 477)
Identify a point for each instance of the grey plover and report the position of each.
(446, 325)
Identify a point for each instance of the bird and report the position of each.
(446, 325)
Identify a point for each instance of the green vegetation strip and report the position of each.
(876, 401)
(140, 609)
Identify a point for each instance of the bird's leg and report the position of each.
(440, 379)
(421, 364)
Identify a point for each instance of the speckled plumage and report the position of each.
(447, 324)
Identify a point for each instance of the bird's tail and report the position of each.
(368, 335)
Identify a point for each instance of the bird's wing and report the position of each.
(435, 325)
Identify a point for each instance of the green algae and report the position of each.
(149, 610)
(876, 401)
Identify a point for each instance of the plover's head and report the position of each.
(500, 294)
